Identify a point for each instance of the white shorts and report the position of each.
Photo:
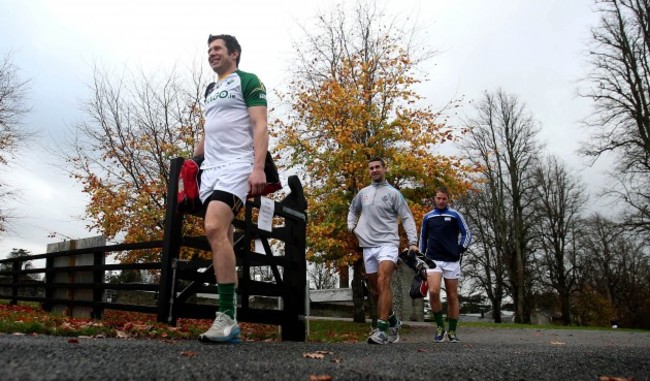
(231, 178)
(373, 255)
(449, 270)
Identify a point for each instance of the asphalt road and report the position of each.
(483, 354)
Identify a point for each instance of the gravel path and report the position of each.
(483, 354)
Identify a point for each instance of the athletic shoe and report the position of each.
(223, 330)
(451, 335)
(440, 335)
(378, 337)
(393, 332)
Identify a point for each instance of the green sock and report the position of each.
(382, 325)
(227, 298)
(452, 324)
(392, 320)
(437, 316)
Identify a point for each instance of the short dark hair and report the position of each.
(442, 190)
(379, 159)
(232, 45)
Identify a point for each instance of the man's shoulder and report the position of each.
(252, 88)
(248, 78)
(430, 213)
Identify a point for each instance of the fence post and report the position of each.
(98, 278)
(16, 267)
(49, 279)
(171, 244)
(294, 328)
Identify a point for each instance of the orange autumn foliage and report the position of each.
(368, 109)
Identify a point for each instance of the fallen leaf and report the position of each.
(422, 350)
(316, 354)
(121, 334)
(609, 378)
(189, 354)
(73, 341)
(320, 377)
(313, 355)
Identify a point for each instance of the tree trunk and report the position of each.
(359, 315)
(344, 276)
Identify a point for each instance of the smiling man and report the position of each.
(234, 144)
(373, 216)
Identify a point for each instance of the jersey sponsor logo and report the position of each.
(219, 95)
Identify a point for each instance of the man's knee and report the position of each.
(434, 289)
(215, 231)
(383, 280)
(218, 219)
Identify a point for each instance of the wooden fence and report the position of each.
(284, 254)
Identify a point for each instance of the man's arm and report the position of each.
(199, 149)
(465, 234)
(423, 235)
(408, 222)
(257, 180)
(353, 213)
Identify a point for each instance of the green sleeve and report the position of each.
(253, 89)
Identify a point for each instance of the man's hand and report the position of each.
(257, 181)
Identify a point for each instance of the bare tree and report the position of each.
(559, 200)
(322, 275)
(135, 123)
(502, 142)
(620, 87)
(13, 107)
(614, 275)
(484, 262)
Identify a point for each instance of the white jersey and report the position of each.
(228, 126)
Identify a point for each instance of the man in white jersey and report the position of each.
(234, 144)
(373, 216)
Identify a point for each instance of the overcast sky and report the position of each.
(533, 49)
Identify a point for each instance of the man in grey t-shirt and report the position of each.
(373, 216)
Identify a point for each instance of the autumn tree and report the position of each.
(13, 107)
(135, 123)
(502, 142)
(352, 98)
(619, 85)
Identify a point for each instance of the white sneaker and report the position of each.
(393, 332)
(378, 337)
(223, 330)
